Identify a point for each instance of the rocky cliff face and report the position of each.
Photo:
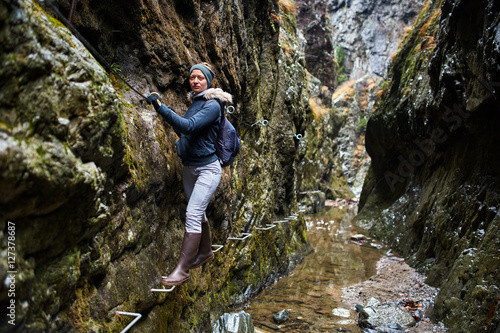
(90, 182)
(348, 47)
(432, 190)
(367, 33)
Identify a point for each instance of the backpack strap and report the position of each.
(222, 107)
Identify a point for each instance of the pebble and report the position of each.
(341, 312)
(358, 237)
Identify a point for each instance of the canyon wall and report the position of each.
(348, 46)
(91, 210)
(432, 190)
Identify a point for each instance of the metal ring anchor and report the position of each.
(157, 95)
(264, 122)
(132, 314)
(229, 109)
(245, 234)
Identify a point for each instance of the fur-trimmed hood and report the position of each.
(214, 93)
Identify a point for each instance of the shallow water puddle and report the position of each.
(312, 292)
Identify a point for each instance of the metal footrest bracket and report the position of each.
(136, 315)
(218, 247)
(269, 226)
(244, 234)
(163, 290)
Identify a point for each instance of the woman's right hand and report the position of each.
(152, 99)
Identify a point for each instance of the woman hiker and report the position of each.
(202, 170)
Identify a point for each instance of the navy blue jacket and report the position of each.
(198, 127)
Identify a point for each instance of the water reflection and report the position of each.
(312, 293)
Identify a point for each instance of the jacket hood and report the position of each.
(214, 93)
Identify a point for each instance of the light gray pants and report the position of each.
(200, 183)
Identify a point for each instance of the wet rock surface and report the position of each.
(385, 317)
(313, 201)
(281, 317)
(432, 192)
(240, 322)
(90, 176)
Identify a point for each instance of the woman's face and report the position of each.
(197, 81)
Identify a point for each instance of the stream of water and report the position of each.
(311, 294)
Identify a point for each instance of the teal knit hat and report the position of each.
(209, 75)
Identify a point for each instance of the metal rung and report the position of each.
(269, 226)
(246, 235)
(281, 221)
(291, 218)
(163, 290)
(136, 315)
(218, 247)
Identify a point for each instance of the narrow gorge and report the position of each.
(432, 190)
(91, 203)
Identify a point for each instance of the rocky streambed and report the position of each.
(351, 283)
(396, 291)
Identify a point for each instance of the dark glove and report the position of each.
(151, 99)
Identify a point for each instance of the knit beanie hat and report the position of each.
(209, 75)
